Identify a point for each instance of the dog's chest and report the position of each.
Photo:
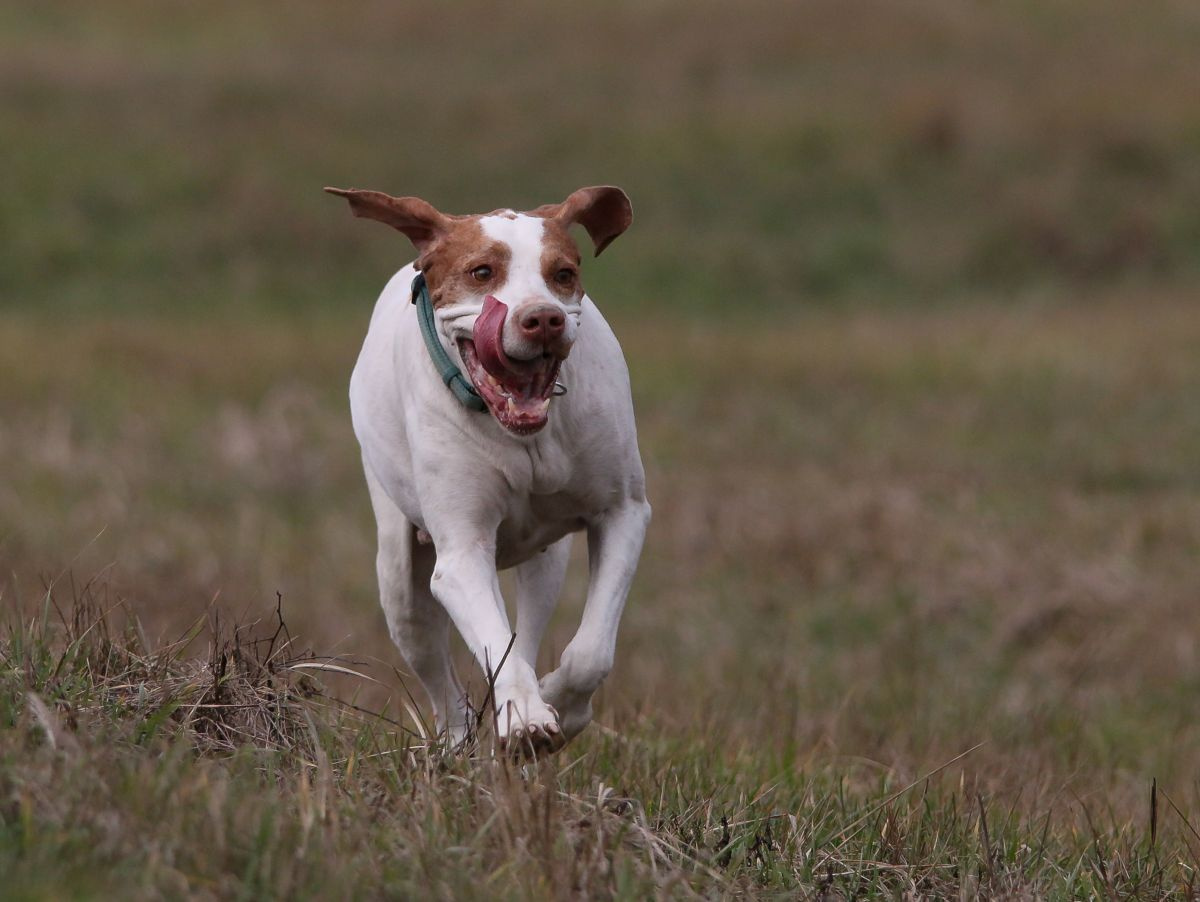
(550, 466)
(544, 500)
(532, 526)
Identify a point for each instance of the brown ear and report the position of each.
(417, 219)
(604, 211)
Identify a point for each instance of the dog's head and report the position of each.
(505, 288)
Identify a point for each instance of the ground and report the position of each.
(910, 311)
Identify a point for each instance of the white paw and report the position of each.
(574, 708)
(527, 727)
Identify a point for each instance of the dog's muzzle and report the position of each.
(517, 392)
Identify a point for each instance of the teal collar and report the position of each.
(451, 374)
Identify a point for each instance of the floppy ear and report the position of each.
(417, 219)
(604, 211)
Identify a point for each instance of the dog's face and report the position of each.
(505, 287)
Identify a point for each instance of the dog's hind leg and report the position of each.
(539, 584)
(418, 624)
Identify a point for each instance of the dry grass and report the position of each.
(951, 528)
(238, 774)
(134, 770)
(910, 309)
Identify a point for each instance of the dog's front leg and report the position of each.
(465, 582)
(614, 544)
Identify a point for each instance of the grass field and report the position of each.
(910, 306)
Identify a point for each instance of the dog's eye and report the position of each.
(564, 276)
(481, 273)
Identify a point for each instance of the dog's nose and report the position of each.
(542, 323)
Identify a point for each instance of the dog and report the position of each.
(492, 405)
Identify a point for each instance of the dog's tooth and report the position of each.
(512, 408)
(544, 406)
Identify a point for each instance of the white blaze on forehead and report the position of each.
(523, 235)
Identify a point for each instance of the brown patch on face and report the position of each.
(451, 264)
(560, 255)
(457, 258)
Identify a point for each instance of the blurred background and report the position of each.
(910, 304)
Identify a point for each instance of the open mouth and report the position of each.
(517, 392)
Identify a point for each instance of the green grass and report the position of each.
(950, 528)
(909, 306)
(172, 159)
(134, 771)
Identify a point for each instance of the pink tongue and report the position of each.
(488, 337)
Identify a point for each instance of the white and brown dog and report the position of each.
(468, 478)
